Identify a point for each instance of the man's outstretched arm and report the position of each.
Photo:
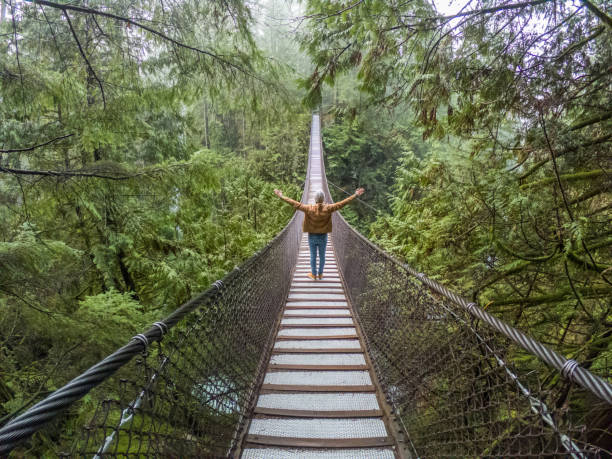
(297, 205)
(339, 205)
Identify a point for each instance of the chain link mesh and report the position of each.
(449, 377)
(190, 394)
(457, 386)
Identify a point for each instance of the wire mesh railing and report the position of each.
(459, 387)
(462, 383)
(183, 388)
(189, 393)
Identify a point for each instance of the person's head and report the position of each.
(319, 197)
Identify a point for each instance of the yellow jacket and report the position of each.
(317, 217)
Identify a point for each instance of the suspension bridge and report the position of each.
(374, 361)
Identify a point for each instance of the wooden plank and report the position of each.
(316, 325)
(281, 338)
(317, 302)
(306, 270)
(318, 414)
(318, 282)
(320, 442)
(301, 277)
(331, 266)
(305, 260)
(282, 366)
(311, 388)
(292, 350)
(318, 288)
(323, 283)
(314, 300)
(315, 286)
(317, 316)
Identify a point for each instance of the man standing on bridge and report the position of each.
(317, 223)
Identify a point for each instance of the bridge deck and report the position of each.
(318, 398)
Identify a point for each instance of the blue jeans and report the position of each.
(317, 241)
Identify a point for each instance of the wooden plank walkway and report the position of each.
(319, 398)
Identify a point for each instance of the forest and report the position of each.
(140, 144)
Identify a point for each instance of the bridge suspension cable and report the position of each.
(458, 380)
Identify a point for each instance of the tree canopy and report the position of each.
(507, 196)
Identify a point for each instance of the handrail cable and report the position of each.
(568, 368)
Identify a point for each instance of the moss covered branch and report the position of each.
(568, 178)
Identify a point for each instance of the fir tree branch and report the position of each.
(86, 10)
(588, 292)
(8, 170)
(575, 46)
(34, 147)
(591, 194)
(17, 56)
(567, 177)
(590, 121)
(555, 168)
(339, 12)
(493, 9)
(41, 387)
(607, 20)
(539, 164)
(93, 72)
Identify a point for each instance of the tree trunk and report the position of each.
(243, 130)
(127, 277)
(248, 200)
(206, 135)
(83, 231)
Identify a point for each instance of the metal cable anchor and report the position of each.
(143, 339)
(162, 327)
(567, 371)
